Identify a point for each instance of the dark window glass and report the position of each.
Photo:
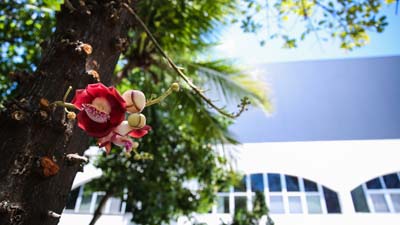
(332, 201)
(392, 181)
(359, 200)
(292, 183)
(240, 203)
(257, 183)
(274, 182)
(241, 187)
(71, 201)
(374, 184)
(310, 186)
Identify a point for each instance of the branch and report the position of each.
(76, 158)
(99, 209)
(244, 102)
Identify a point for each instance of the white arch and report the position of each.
(339, 165)
(90, 173)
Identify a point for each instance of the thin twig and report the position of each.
(180, 73)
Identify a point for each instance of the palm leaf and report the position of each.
(231, 84)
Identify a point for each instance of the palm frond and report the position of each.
(232, 84)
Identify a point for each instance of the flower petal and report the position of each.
(123, 141)
(97, 124)
(123, 129)
(91, 127)
(104, 140)
(140, 132)
(81, 97)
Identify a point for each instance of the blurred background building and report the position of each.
(329, 153)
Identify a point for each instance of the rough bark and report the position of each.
(33, 136)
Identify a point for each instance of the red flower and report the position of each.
(120, 136)
(101, 109)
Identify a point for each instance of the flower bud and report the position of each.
(135, 145)
(175, 87)
(135, 101)
(71, 115)
(137, 120)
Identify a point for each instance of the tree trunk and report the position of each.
(35, 176)
(99, 209)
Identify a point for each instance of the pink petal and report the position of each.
(123, 141)
(94, 114)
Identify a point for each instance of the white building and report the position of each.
(330, 154)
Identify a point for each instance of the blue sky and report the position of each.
(246, 50)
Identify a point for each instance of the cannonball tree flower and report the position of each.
(102, 109)
(121, 136)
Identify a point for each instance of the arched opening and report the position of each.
(285, 194)
(378, 195)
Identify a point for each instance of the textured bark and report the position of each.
(30, 132)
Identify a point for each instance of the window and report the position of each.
(114, 205)
(240, 203)
(257, 183)
(85, 203)
(332, 201)
(223, 204)
(379, 203)
(274, 182)
(295, 204)
(392, 181)
(374, 184)
(292, 183)
(396, 202)
(314, 204)
(359, 200)
(378, 195)
(276, 204)
(283, 194)
(80, 201)
(310, 186)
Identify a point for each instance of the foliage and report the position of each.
(24, 25)
(254, 217)
(347, 20)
